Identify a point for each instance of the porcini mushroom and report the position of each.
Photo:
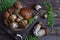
(18, 5)
(26, 13)
(12, 18)
(40, 32)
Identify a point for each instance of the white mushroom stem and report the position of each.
(36, 29)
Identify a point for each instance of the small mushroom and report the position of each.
(37, 7)
(11, 10)
(17, 14)
(12, 18)
(13, 25)
(36, 16)
(37, 28)
(44, 16)
(18, 19)
(6, 15)
(23, 24)
(26, 13)
(18, 5)
(40, 32)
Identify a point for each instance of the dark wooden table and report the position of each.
(30, 3)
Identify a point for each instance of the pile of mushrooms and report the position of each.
(17, 16)
(40, 30)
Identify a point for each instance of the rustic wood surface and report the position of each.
(30, 3)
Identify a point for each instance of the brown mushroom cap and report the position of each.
(23, 25)
(18, 5)
(11, 10)
(11, 18)
(6, 15)
(26, 13)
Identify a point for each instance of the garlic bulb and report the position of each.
(14, 25)
(37, 7)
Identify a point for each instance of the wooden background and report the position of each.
(30, 3)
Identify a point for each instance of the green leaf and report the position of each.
(31, 20)
(5, 4)
(50, 13)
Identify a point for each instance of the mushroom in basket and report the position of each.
(26, 13)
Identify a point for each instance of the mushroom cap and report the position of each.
(6, 15)
(11, 10)
(26, 13)
(37, 7)
(18, 19)
(14, 25)
(18, 5)
(23, 25)
(12, 18)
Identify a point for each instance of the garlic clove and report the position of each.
(6, 15)
(37, 7)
